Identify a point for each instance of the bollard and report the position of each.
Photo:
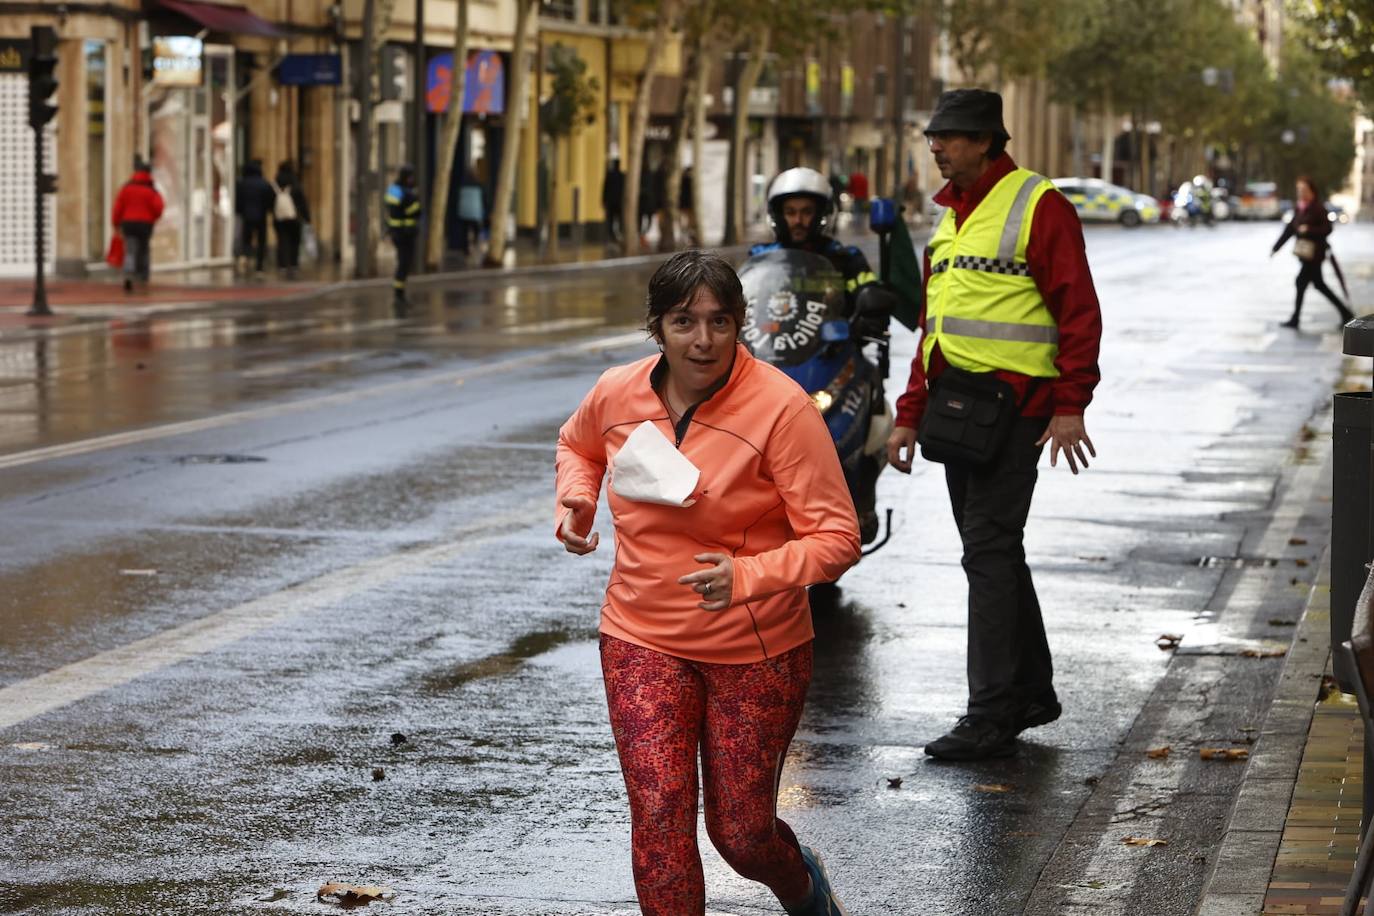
(1352, 462)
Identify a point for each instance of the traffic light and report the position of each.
(42, 76)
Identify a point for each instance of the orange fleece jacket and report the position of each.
(771, 495)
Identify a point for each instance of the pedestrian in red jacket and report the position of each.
(137, 207)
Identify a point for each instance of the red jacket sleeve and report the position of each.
(121, 200)
(1058, 262)
(912, 402)
(155, 203)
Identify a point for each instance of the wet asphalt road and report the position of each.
(203, 660)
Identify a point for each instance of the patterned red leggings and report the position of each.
(742, 717)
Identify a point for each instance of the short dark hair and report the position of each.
(1307, 180)
(997, 147)
(678, 280)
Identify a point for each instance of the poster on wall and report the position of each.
(484, 92)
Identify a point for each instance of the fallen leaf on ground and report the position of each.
(1169, 641)
(398, 738)
(894, 782)
(1300, 562)
(1264, 653)
(378, 774)
(1223, 753)
(1159, 753)
(1143, 841)
(1297, 542)
(1280, 622)
(996, 788)
(353, 894)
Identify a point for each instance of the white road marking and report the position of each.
(71, 683)
(133, 437)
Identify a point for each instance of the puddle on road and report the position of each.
(503, 663)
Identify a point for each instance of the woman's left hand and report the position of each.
(716, 585)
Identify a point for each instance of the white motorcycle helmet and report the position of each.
(790, 184)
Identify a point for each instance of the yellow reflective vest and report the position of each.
(983, 309)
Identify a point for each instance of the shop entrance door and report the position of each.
(190, 138)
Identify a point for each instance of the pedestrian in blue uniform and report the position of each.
(403, 225)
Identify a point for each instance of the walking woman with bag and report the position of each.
(728, 500)
(137, 208)
(1311, 226)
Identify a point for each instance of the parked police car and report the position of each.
(1098, 201)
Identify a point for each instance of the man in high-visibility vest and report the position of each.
(403, 225)
(1009, 300)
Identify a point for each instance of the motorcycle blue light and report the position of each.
(832, 331)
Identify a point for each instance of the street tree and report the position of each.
(1309, 131)
(448, 149)
(658, 18)
(1342, 34)
(571, 105)
(525, 17)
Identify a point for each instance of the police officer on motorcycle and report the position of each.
(799, 210)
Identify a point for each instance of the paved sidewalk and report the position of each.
(1290, 845)
(1316, 856)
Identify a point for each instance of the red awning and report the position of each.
(222, 17)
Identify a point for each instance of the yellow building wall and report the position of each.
(583, 156)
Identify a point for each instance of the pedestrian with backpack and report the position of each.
(290, 212)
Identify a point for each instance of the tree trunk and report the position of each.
(555, 150)
(698, 147)
(639, 122)
(515, 125)
(686, 111)
(1108, 138)
(748, 79)
(364, 264)
(453, 126)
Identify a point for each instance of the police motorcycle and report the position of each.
(798, 319)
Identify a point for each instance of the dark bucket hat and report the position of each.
(968, 111)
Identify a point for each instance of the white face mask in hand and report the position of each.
(649, 469)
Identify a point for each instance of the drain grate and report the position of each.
(1236, 562)
(217, 459)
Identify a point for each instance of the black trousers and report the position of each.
(1311, 274)
(405, 259)
(1008, 655)
(289, 244)
(138, 243)
(255, 240)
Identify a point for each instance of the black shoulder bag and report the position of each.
(968, 417)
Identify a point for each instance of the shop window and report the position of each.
(559, 9)
(16, 176)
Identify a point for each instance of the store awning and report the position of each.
(223, 17)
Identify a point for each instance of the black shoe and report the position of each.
(128, 285)
(974, 738)
(1290, 323)
(1037, 713)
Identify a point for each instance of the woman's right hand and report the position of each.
(579, 519)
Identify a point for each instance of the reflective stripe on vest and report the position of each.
(984, 310)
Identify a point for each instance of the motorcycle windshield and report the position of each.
(789, 294)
